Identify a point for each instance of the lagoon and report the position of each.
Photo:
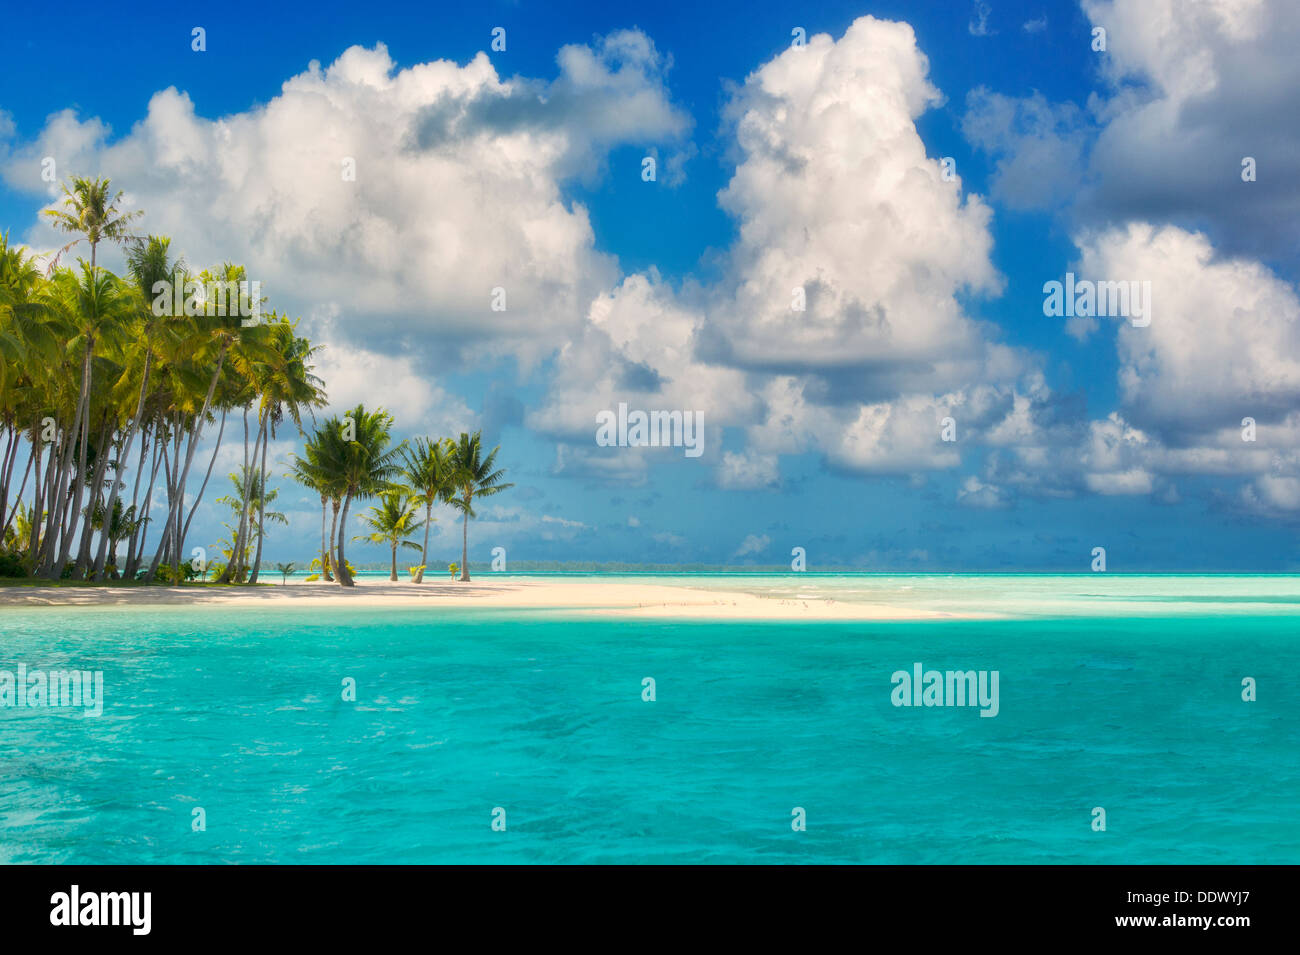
(240, 712)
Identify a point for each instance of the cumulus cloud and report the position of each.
(637, 347)
(457, 188)
(835, 196)
(1192, 90)
(838, 327)
(356, 375)
(1223, 341)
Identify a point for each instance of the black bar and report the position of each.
(965, 903)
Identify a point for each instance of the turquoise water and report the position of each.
(240, 712)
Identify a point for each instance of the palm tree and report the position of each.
(250, 499)
(284, 570)
(288, 387)
(309, 471)
(107, 400)
(92, 214)
(428, 469)
(119, 527)
(395, 516)
(27, 347)
(148, 262)
(230, 340)
(472, 476)
(97, 307)
(360, 461)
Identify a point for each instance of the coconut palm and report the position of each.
(91, 213)
(250, 497)
(209, 343)
(96, 308)
(473, 475)
(309, 471)
(396, 515)
(27, 349)
(107, 399)
(148, 262)
(428, 470)
(360, 459)
(284, 570)
(288, 388)
(118, 528)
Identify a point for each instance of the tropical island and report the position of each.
(111, 382)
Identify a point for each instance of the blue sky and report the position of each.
(776, 166)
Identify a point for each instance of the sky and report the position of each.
(911, 174)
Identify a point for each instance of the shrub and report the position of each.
(11, 565)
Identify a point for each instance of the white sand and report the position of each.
(585, 595)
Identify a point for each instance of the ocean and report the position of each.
(1124, 695)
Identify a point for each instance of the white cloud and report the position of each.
(457, 188)
(1194, 87)
(753, 544)
(1223, 340)
(355, 375)
(975, 493)
(835, 195)
(748, 469)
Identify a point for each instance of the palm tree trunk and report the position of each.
(170, 475)
(424, 551)
(261, 506)
(136, 553)
(135, 496)
(194, 440)
(18, 498)
(126, 453)
(38, 496)
(60, 465)
(464, 544)
(211, 461)
(80, 484)
(392, 574)
(235, 566)
(324, 548)
(58, 498)
(84, 560)
(345, 578)
(334, 523)
(6, 475)
(228, 574)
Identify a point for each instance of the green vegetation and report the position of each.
(107, 390)
(396, 516)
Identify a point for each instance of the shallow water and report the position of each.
(240, 712)
(1024, 595)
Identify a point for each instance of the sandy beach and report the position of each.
(595, 596)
